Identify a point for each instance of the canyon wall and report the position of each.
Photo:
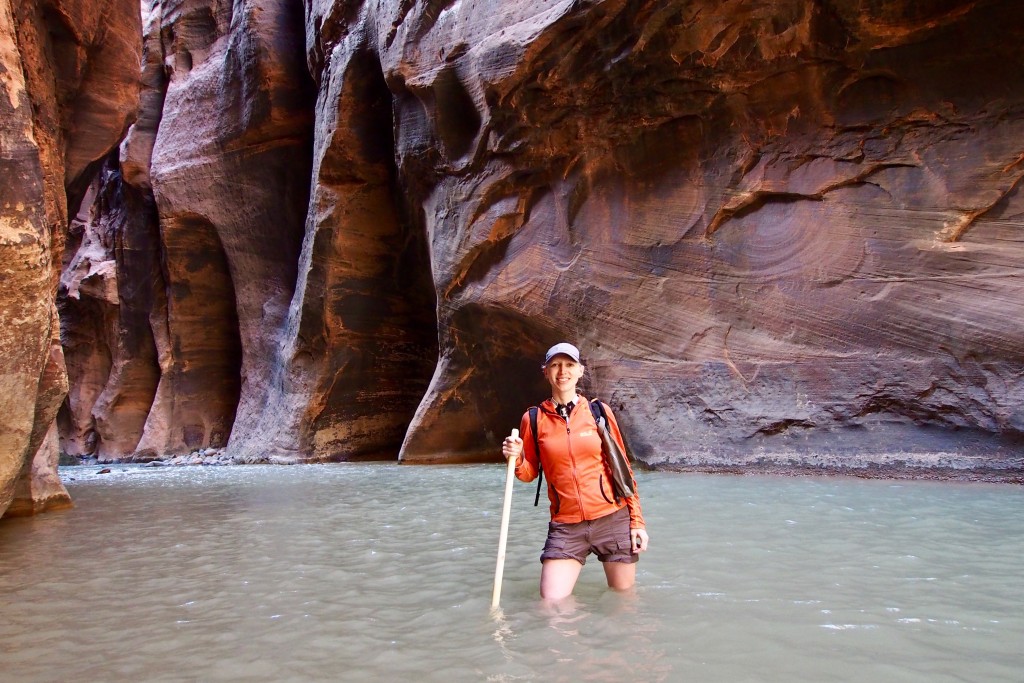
(783, 235)
(68, 91)
(277, 300)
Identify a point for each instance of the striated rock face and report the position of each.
(230, 176)
(774, 229)
(782, 233)
(195, 235)
(68, 90)
(360, 341)
(298, 324)
(110, 287)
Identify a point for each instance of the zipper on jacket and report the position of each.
(572, 459)
(558, 499)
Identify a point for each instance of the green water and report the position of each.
(384, 572)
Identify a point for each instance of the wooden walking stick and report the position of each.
(506, 510)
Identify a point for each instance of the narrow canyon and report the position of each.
(786, 236)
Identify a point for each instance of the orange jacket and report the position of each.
(579, 484)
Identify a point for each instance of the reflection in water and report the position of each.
(384, 572)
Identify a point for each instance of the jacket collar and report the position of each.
(548, 406)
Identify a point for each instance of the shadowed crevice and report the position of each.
(368, 315)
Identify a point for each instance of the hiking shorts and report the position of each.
(607, 537)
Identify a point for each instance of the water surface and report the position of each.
(376, 572)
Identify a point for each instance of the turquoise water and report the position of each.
(377, 572)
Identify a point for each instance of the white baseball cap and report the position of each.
(564, 348)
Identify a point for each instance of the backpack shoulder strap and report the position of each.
(536, 449)
(616, 458)
(533, 430)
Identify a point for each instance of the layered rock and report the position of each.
(782, 233)
(69, 75)
(361, 339)
(198, 228)
(111, 300)
(230, 175)
(775, 230)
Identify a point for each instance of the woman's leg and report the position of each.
(621, 575)
(558, 578)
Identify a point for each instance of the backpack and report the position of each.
(597, 410)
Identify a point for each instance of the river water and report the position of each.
(380, 572)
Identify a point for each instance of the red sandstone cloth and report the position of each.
(579, 484)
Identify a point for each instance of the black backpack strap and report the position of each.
(536, 449)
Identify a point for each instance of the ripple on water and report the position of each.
(377, 572)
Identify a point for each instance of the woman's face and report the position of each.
(563, 373)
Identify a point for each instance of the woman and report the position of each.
(585, 515)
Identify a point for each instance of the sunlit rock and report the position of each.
(68, 91)
(39, 488)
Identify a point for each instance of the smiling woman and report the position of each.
(561, 437)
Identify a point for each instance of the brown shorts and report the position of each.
(607, 537)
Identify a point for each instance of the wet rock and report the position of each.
(237, 113)
(360, 342)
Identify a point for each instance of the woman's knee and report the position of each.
(621, 575)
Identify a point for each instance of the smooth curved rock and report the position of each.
(783, 234)
(201, 222)
(361, 339)
(782, 229)
(230, 176)
(39, 488)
